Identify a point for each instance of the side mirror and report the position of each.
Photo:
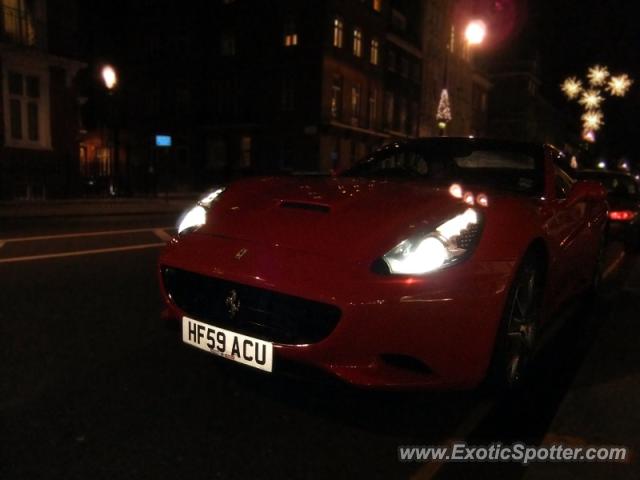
(587, 190)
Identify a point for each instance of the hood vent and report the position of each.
(314, 207)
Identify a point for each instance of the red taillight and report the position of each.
(622, 215)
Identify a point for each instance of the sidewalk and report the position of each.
(601, 407)
(85, 207)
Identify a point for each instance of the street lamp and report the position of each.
(475, 32)
(474, 35)
(109, 77)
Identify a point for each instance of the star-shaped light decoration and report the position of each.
(598, 75)
(619, 86)
(592, 120)
(572, 87)
(591, 99)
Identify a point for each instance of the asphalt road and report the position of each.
(93, 386)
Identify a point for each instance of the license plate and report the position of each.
(224, 343)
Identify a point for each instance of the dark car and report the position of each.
(624, 203)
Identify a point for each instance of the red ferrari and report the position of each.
(431, 264)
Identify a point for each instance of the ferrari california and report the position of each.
(433, 263)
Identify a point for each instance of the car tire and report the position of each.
(517, 333)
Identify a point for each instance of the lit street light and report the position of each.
(109, 77)
(474, 35)
(476, 32)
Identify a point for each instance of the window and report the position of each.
(336, 96)
(377, 5)
(375, 52)
(290, 34)
(398, 21)
(228, 44)
(452, 39)
(357, 42)
(402, 115)
(373, 107)
(26, 110)
(391, 60)
(517, 171)
(338, 32)
(413, 119)
(388, 109)
(404, 67)
(288, 94)
(18, 19)
(245, 152)
(355, 104)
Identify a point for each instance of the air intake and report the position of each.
(314, 207)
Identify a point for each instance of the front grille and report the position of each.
(264, 314)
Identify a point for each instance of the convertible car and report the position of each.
(430, 264)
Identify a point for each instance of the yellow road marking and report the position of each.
(81, 234)
(81, 252)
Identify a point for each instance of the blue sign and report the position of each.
(163, 141)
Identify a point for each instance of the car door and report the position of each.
(570, 228)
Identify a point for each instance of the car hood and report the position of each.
(351, 218)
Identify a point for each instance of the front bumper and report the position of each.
(435, 331)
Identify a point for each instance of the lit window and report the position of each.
(19, 24)
(336, 96)
(338, 32)
(355, 104)
(377, 5)
(245, 152)
(452, 39)
(375, 52)
(290, 34)
(357, 42)
(228, 44)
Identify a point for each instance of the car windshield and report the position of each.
(618, 185)
(512, 169)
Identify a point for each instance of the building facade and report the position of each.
(312, 86)
(521, 111)
(449, 65)
(252, 86)
(39, 105)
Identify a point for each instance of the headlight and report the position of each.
(197, 216)
(447, 244)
